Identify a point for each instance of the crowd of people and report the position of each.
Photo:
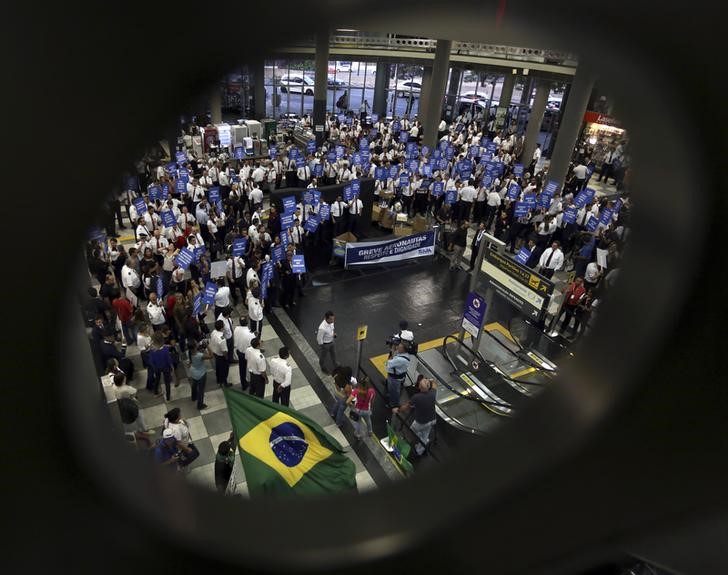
(191, 213)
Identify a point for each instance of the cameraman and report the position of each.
(405, 336)
(397, 368)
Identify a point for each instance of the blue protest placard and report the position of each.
(413, 166)
(473, 151)
(339, 152)
(442, 164)
(530, 200)
(164, 191)
(209, 293)
(171, 167)
(425, 150)
(240, 245)
(325, 212)
(491, 147)
(298, 264)
(365, 156)
(348, 193)
(197, 304)
(318, 170)
(184, 258)
(403, 136)
(618, 203)
(289, 204)
(443, 145)
(160, 287)
(437, 154)
(411, 147)
(451, 196)
(583, 197)
(605, 218)
(396, 126)
(523, 255)
(514, 190)
(474, 314)
(168, 218)
(551, 188)
(393, 171)
(465, 174)
(155, 193)
(284, 239)
(311, 146)
(363, 144)
(311, 224)
(308, 197)
(184, 175)
(521, 210)
(287, 220)
(375, 118)
(518, 170)
(331, 157)
(544, 201)
(273, 151)
(569, 215)
(592, 223)
(316, 196)
(140, 205)
(180, 187)
(300, 162)
(356, 159)
(438, 188)
(213, 194)
(380, 173)
(356, 186)
(238, 153)
(293, 153)
(404, 180)
(278, 253)
(181, 157)
(450, 152)
(427, 170)
(198, 253)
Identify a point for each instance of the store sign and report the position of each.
(517, 284)
(597, 118)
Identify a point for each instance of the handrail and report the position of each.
(519, 53)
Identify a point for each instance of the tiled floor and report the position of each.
(211, 426)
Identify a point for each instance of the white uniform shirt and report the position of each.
(256, 360)
(227, 329)
(156, 313)
(556, 262)
(356, 207)
(281, 371)
(218, 345)
(242, 336)
(255, 310)
(325, 333)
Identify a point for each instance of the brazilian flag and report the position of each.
(400, 449)
(283, 451)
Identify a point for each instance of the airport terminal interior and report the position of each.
(351, 259)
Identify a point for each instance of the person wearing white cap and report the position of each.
(169, 448)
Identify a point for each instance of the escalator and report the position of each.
(478, 388)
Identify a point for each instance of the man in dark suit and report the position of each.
(475, 245)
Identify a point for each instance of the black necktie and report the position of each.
(548, 259)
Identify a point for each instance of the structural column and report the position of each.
(571, 121)
(535, 118)
(259, 89)
(436, 92)
(320, 87)
(381, 83)
(425, 93)
(509, 81)
(216, 104)
(452, 93)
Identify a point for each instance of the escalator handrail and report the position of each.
(527, 359)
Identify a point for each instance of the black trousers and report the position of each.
(167, 374)
(281, 395)
(255, 326)
(243, 368)
(257, 385)
(222, 367)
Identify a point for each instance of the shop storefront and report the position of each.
(600, 133)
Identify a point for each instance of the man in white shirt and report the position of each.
(304, 175)
(491, 208)
(218, 347)
(227, 331)
(257, 368)
(337, 215)
(355, 208)
(206, 180)
(281, 372)
(325, 338)
(222, 297)
(130, 277)
(580, 175)
(258, 175)
(256, 197)
(466, 195)
(242, 336)
(255, 311)
(552, 259)
(155, 312)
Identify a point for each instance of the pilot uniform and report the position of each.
(256, 367)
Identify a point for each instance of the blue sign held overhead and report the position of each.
(451, 197)
(551, 188)
(311, 146)
(154, 193)
(197, 304)
(380, 173)
(488, 181)
(518, 170)
(293, 153)
(180, 187)
(325, 212)
(298, 264)
(438, 188)
(605, 218)
(181, 157)
(184, 175)
(240, 245)
(308, 197)
(437, 154)
(318, 170)
(356, 186)
(618, 203)
(164, 191)
(184, 258)
(396, 126)
(331, 157)
(168, 218)
(238, 153)
(425, 150)
(514, 190)
(403, 136)
(375, 118)
(584, 197)
(523, 255)
(213, 194)
(442, 164)
(289, 204)
(474, 314)
(403, 180)
(160, 287)
(284, 239)
(356, 159)
(209, 293)
(521, 210)
(348, 193)
(393, 171)
(140, 205)
(278, 253)
(427, 170)
(339, 152)
(449, 152)
(300, 162)
(530, 200)
(287, 220)
(198, 253)
(569, 215)
(311, 224)
(273, 151)
(363, 144)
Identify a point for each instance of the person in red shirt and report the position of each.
(125, 313)
(572, 298)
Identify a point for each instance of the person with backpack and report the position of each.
(343, 102)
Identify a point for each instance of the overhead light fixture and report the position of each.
(346, 30)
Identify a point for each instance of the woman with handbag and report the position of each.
(361, 406)
(173, 421)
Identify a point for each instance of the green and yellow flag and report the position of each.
(283, 451)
